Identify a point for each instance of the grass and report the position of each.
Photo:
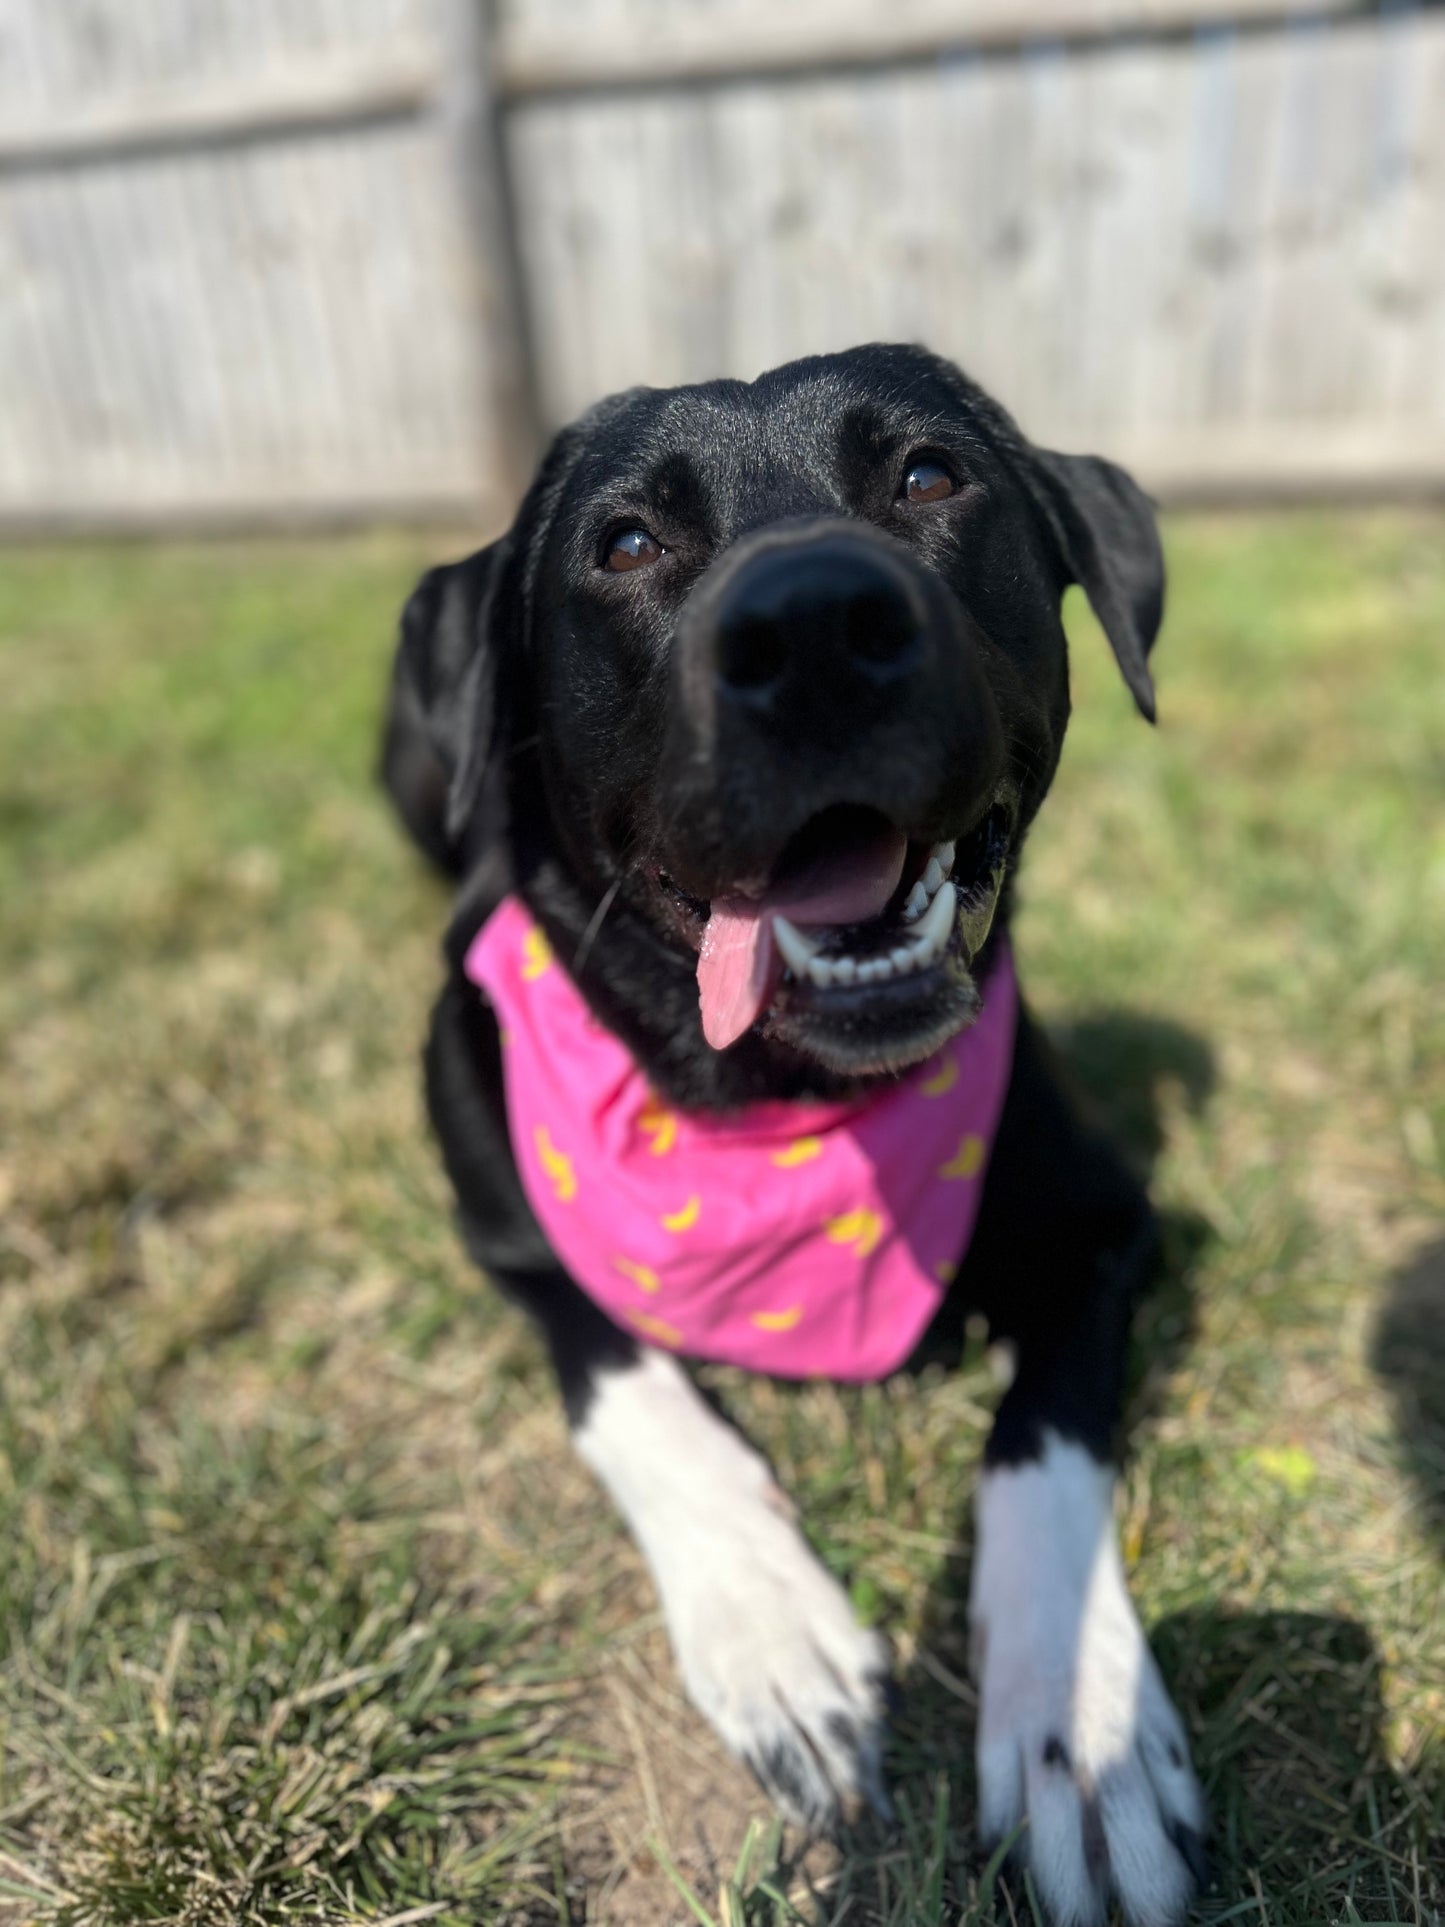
(306, 1612)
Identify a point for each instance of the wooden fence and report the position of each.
(251, 264)
(286, 257)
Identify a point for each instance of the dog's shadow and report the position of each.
(1409, 1354)
(1285, 1708)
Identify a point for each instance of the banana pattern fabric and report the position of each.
(799, 1240)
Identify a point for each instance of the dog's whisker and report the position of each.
(594, 925)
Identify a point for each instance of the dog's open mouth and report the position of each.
(855, 909)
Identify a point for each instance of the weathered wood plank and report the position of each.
(57, 56)
(277, 321)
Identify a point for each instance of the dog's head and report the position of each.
(758, 697)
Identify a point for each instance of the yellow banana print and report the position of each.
(660, 1125)
(942, 1079)
(557, 1165)
(685, 1219)
(967, 1160)
(862, 1229)
(798, 1152)
(536, 955)
(641, 1275)
(657, 1328)
(777, 1321)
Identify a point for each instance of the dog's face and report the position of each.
(769, 680)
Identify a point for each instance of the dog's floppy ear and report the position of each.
(442, 718)
(1104, 526)
(463, 632)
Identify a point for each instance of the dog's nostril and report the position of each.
(754, 654)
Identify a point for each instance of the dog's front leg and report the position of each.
(765, 1639)
(1078, 1741)
(1077, 1736)
(1079, 1749)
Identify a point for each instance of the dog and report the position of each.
(733, 742)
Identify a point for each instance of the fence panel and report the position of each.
(243, 274)
(258, 257)
(1217, 253)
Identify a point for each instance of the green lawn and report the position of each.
(306, 1613)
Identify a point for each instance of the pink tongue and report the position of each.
(739, 967)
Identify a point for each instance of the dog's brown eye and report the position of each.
(927, 482)
(632, 549)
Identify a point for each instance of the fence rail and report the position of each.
(346, 258)
(545, 48)
(333, 90)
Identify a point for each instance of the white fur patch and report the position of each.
(765, 1639)
(1077, 1736)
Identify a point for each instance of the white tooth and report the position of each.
(918, 902)
(933, 876)
(821, 971)
(870, 972)
(901, 958)
(798, 951)
(937, 927)
(944, 854)
(845, 969)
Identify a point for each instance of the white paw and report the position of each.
(1078, 1742)
(770, 1651)
(765, 1638)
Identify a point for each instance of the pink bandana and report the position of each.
(796, 1239)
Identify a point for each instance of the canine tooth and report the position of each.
(798, 951)
(944, 853)
(937, 926)
(933, 876)
(918, 902)
(845, 969)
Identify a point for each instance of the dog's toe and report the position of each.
(1084, 1838)
(823, 1769)
(808, 1720)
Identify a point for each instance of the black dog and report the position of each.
(742, 634)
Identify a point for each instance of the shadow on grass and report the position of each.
(1409, 1354)
(1288, 1724)
(1309, 1818)
(1125, 1066)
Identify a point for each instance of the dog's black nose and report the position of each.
(815, 619)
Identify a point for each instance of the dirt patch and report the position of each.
(671, 1795)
